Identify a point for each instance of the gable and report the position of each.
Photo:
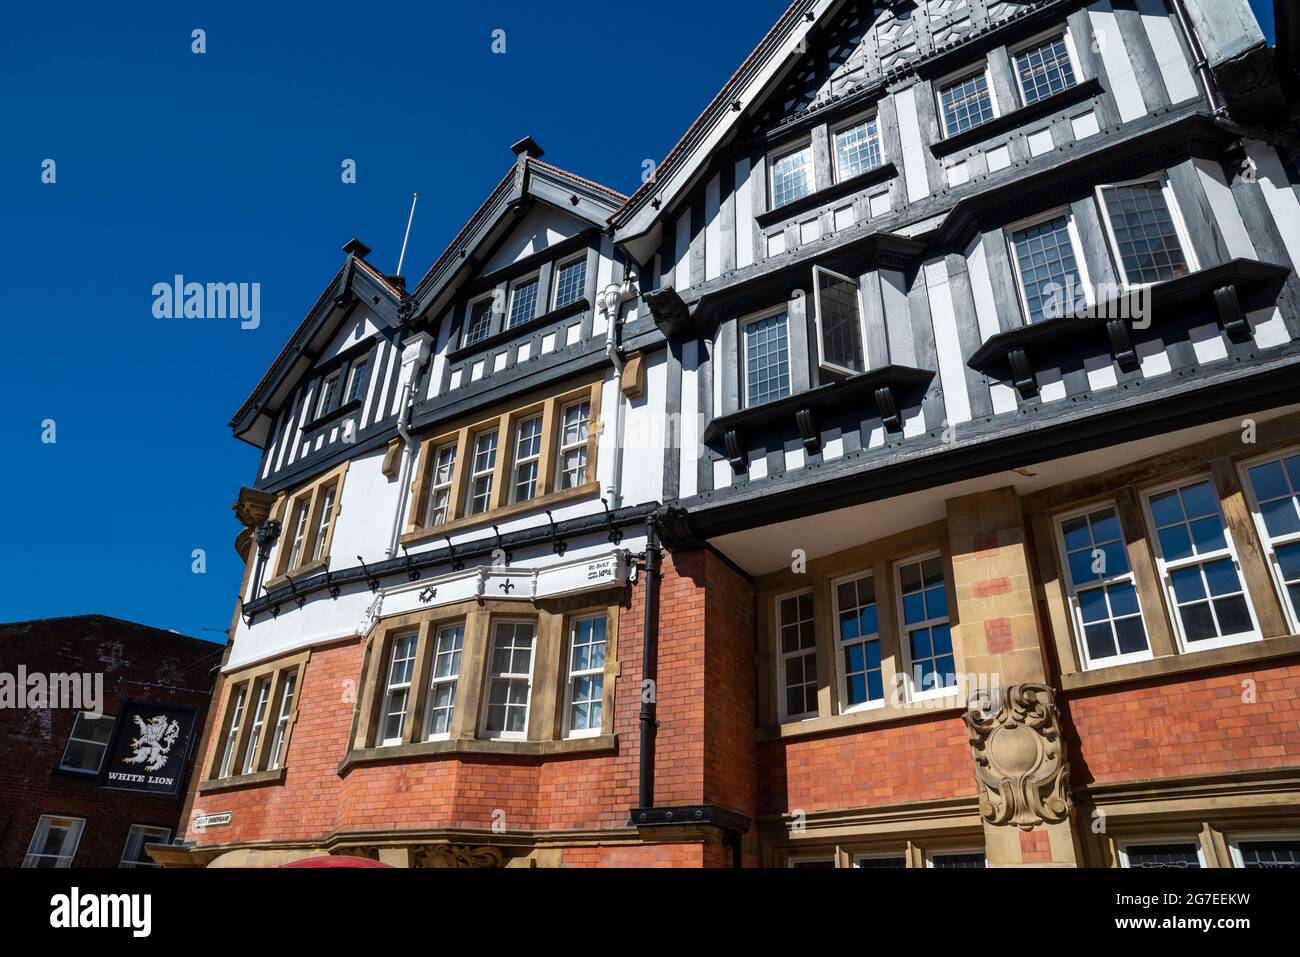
(539, 230)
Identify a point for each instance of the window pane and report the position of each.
(966, 104)
(857, 149)
(1045, 70)
(792, 177)
(1270, 854)
(1145, 236)
(1049, 274)
(570, 282)
(523, 303)
(839, 321)
(1163, 856)
(767, 367)
(480, 321)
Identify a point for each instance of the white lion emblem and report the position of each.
(155, 741)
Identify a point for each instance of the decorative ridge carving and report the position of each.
(1020, 759)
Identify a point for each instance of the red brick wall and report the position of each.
(914, 760)
(649, 855)
(1196, 725)
(705, 693)
(137, 662)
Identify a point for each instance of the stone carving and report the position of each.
(459, 855)
(1020, 760)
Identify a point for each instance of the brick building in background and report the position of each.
(53, 813)
(907, 475)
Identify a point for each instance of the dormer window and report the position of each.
(523, 302)
(570, 282)
(839, 322)
(480, 320)
(857, 149)
(792, 176)
(1044, 69)
(329, 395)
(966, 103)
(767, 358)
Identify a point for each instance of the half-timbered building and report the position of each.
(906, 474)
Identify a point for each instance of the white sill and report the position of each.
(1119, 660)
(588, 733)
(443, 736)
(1207, 644)
(797, 718)
(949, 692)
(865, 706)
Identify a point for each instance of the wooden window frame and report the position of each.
(504, 421)
(312, 498)
(1235, 839)
(838, 642)
(145, 830)
(1230, 551)
(435, 636)
(1061, 32)
(1070, 591)
(804, 144)
(72, 736)
(1076, 248)
(947, 82)
(489, 675)
(862, 119)
(741, 327)
(781, 657)
(1269, 543)
(1175, 214)
(247, 750)
(900, 621)
(1181, 837)
(566, 661)
(43, 822)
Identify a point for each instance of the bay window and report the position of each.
(397, 689)
(443, 679)
(510, 680)
(766, 358)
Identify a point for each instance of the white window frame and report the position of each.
(263, 694)
(334, 377)
(300, 515)
(788, 150)
(862, 119)
(436, 681)
(1175, 214)
(149, 834)
(904, 645)
(1164, 569)
(782, 657)
(841, 674)
(535, 459)
(563, 448)
(560, 267)
(391, 687)
(1235, 839)
(571, 676)
(238, 708)
(1072, 595)
(355, 373)
(1014, 53)
(475, 474)
(430, 508)
(1076, 247)
(73, 836)
(1269, 543)
(747, 321)
(880, 856)
(328, 509)
(490, 675)
(961, 76)
(822, 361)
(469, 318)
(284, 713)
(930, 855)
(72, 736)
(530, 279)
(1121, 847)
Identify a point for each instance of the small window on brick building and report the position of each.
(585, 692)
(54, 842)
(87, 743)
(134, 854)
(260, 707)
(796, 657)
(926, 635)
(857, 635)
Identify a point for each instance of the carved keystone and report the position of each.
(1020, 762)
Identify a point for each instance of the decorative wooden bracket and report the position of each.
(887, 405)
(1121, 343)
(1231, 314)
(736, 453)
(1022, 373)
(807, 422)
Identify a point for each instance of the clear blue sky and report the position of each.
(224, 167)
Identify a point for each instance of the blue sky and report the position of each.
(225, 167)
